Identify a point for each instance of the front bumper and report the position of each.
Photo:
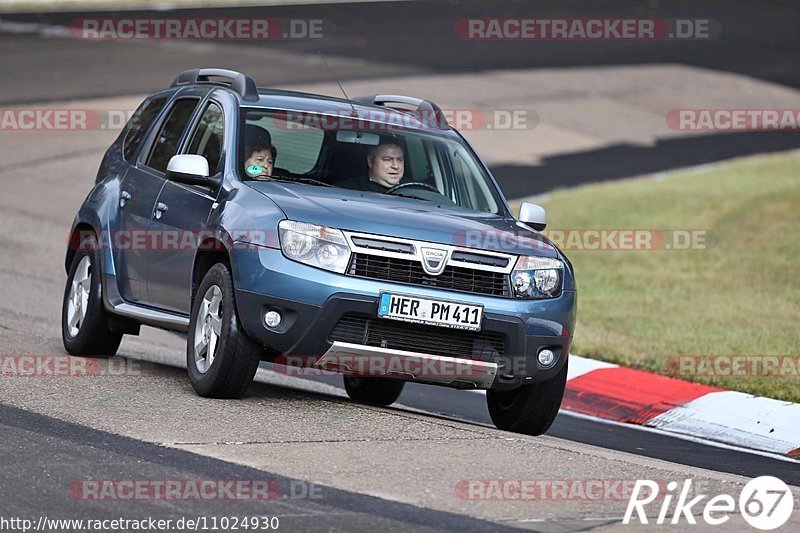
(361, 360)
(314, 303)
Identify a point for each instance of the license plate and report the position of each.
(430, 312)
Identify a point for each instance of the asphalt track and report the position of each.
(40, 457)
(42, 454)
(471, 407)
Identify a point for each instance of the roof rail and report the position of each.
(243, 84)
(427, 111)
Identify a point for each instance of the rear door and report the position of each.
(138, 239)
(135, 200)
(185, 210)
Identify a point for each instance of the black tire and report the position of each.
(375, 391)
(235, 356)
(92, 336)
(530, 409)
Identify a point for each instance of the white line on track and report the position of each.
(689, 438)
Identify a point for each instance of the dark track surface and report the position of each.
(621, 161)
(758, 39)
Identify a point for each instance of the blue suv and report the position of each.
(359, 236)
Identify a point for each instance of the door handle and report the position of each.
(161, 208)
(123, 198)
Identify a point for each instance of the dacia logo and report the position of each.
(434, 260)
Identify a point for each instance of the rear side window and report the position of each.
(209, 136)
(138, 125)
(166, 144)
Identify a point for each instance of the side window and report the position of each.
(138, 125)
(436, 170)
(417, 167)
(467, 175)
(208, 137)
(166, 144)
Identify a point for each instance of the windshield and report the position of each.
(367, 156)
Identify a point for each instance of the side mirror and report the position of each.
(533, 215)
(191, 170)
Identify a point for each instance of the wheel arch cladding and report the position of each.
(210, 251)
(76, 239)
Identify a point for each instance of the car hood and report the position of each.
(401, 217)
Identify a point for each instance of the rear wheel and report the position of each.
(84, 322)
(529, 409)
(377, 391)
(220, 357)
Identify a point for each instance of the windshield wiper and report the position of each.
(298, 179)
(411, 196)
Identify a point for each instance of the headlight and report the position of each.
(537, 277)
(318, 246)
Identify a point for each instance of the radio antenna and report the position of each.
(322, 56)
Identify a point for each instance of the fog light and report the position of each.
(272, 319)
(546, 357)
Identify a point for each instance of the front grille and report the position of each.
(480, 259)
(433, 340)
(411, 272)
(389, 246)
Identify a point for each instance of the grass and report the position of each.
(739, 296)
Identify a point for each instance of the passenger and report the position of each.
(260, 154)
(261, 163)
(386, 164)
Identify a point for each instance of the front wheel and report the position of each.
(529, 409)
(84, 321)
(377, 391)
(222, 360)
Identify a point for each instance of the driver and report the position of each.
(386, 164)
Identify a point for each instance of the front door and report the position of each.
(184, 213)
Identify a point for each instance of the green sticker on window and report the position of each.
(254, 170)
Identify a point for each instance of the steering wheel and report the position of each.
(419, 184)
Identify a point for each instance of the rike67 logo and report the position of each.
(765, 503)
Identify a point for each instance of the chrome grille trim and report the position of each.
(373, 243)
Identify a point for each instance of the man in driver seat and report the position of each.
(386, 165)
